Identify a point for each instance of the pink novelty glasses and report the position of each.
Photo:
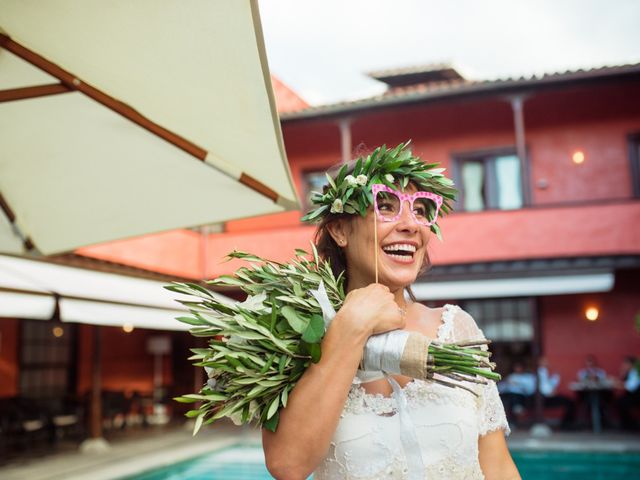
(388, 204)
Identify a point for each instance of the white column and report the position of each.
(517, 105)
(345, 138)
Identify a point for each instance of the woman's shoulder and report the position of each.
(462, 323)
(453, 323)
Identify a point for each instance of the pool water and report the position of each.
(577, 465)
(240, 462)
(247, 463)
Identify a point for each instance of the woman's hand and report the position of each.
(371, 310)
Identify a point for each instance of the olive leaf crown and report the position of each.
(350, 192)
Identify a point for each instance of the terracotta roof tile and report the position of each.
(409, 70)
(421, 92)
(286, 99)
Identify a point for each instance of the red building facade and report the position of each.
(550, 227)
(547, 226)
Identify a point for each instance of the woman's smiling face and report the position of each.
(402, 248)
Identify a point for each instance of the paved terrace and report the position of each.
(138, 451)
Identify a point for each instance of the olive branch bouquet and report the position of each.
(258, 349)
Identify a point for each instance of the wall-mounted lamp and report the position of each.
(127, 328)
(592, 314)
(578, 157)
(57, 331)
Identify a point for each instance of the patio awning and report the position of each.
(28, 289)
(125, 118)
(515, 287)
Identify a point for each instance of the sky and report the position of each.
(323, 49)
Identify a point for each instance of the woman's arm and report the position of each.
(495, 460)
(308, 423)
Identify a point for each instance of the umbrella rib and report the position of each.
(26, 240)
(23, 93)
(70, 81)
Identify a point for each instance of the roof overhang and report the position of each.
(31, 288)
(515, 287)
(470, 90)
(523, 277)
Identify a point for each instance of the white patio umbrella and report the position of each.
(121, 118)
(126, 117)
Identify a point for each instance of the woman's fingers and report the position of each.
(373, 307)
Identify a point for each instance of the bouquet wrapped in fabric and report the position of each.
(258, 349)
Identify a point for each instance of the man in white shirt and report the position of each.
(591, 372)
(595, 392)
(516, 392)
(548, 386)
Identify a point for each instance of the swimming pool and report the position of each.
(246, 462)
(535, 465)
(239, 462)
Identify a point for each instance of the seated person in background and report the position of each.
(548, 383)
(595, 391)
(516, 391)
(630, 381)
(591, 372)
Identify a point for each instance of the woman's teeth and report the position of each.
(400, 251)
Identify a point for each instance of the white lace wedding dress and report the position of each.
(447, 422)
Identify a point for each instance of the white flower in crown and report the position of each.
(361, 180)
(351, 180)
(389, 178)
(336, 207)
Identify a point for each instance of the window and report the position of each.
(314, 181)
(634, 158)
(509, 324)
(46, 360)
(504, 319)
(488, 180)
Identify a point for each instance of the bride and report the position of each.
(342, 423)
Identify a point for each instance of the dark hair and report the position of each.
(330, 251)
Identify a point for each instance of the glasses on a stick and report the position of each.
(388, 204)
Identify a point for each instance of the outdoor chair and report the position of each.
(115, 409)
(66, 417)
(24, 425)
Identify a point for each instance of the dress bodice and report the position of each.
(447, 422)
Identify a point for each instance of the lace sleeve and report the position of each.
(491, 414)
(466, 328)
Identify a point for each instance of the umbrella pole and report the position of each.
(96, 443)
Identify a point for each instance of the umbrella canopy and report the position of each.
(122, 118)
